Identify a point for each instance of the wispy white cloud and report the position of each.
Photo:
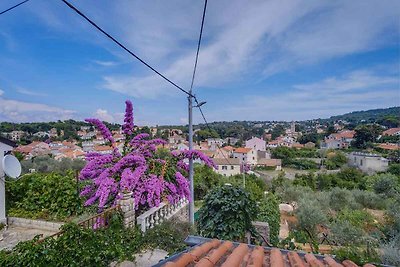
(266, 37)
(29, 92)
(358, 90)
(105, 63)
(20, 111)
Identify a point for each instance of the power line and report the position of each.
(209, 128)
(8, 9)
(198, 45)
(123, 47)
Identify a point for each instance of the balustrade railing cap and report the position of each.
(127, 195)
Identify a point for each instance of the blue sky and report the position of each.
(259, 60)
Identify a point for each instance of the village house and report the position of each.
(231, 140)
(224, 152)
(103, 149)
(245, 155)
(202, 146)
(41, 134)
(34, 149)
(309, 145)
(256, 143)
(16, 135)
(391, 132)
(338, 140)
(389, 146)
(368, 163)
(214, 143)
(273, 163)
(227, 166)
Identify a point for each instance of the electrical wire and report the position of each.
(198, 45)
(124, 47)
(17, 5)
(209, 128)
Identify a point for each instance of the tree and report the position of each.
(366, 135)
(278, 131)
(227, 213)
(309, 215)
(205, 179)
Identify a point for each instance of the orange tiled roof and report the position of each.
(228, 148)
(389, 146)
(391, 131)
(344, 134)
(227, 254)
(242, 150)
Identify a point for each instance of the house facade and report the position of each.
(228, 166)
(368, 163)
(245, 155)
(338, 140)
(256, 143)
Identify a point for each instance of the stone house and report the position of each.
(227, 166)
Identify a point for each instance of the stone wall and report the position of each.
(37, 224)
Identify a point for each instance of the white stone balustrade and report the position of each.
(157, 215)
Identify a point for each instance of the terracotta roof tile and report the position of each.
(228, 254)
(242, 150)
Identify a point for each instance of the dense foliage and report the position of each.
(268, 211)
(45, 196)
(168, 236)
(77, 247)
(227, 214)
(46, 164)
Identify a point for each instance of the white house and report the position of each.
(16, 135)
(5, 146)
(227, 166)
(245, 155)
(256, 143)
(368, 163)
(214, 143)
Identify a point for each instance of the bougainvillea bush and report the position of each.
(136, 166)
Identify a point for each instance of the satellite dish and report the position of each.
(11, 166)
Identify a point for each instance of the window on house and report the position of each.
(361, 162)
(224, 167)
(232, 167)
(253, 158)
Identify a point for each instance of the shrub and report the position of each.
(349, 178)
(391, 251)
(358, 255)
(269, 212)
(357, 218)
(306, 180)
(344, 233)
(77, 247)
(368, 199)
(394, 169)
(341, 199)
(227, 213)
(293, 193)
(386, 184)
(46, 196)
(168, 236)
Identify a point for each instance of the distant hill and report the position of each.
(373, 115)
